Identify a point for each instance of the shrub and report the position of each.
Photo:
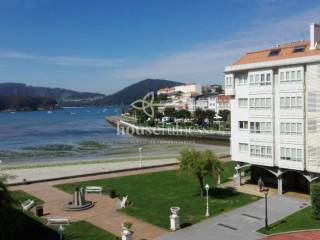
(127, 225)
(315, 200)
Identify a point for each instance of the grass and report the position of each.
(21, 196)
(153, 194)
(83, 230)
(28, 226)
(301, 220)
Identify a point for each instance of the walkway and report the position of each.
(103, 214)
(308, 235)
(47, 173)
(241, 223)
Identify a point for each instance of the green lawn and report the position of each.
(301, 220)
(28, 226)
(83, 230)
(21, 196)
(153, 194)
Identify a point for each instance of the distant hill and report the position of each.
(137, 91)
(60, 94)
(10, 93)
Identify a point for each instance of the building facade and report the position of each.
(275, 113)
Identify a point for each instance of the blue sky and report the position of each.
(104, 45)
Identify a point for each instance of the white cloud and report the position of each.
(206, 62)
(63, 60)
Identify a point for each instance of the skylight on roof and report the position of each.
(298, 49)
(274, 52)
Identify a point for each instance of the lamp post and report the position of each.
(207, 187)
(265, 191)
(140, 163)
(61, 231)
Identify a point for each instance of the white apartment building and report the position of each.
(275, 113)
(194, 88)
(189, 88)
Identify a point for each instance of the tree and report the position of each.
(183, 113)
(199, 116)
(199, 164)
(210, 114)
(224, 114)
(169, 112)
(5, 198)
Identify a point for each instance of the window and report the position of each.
(256, 79)
(282, 102)
(243, 124)
(268, 102)
(268, 79)
(263, 103)
(260, 79)
(291, 102)
(260, 103)
(251, 80)
(299, 128)
(228, 81)
(243, 102)
(261, 151)
(292, 128)
(287, 76)
(298, 49)
(260, 127)
(263, 82)
(290, 76)
(274, 52)
(299, 102)
(243, 147)
(299, 75)
(291, 154)
(282, 128)
(281, 76)
(242, 80)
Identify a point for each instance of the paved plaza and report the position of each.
(241, 223)
(104, 214)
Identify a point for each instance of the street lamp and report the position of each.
(207, 187)
(60, 231)
(265, 191)
(140, 149)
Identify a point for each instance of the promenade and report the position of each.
(66, 171)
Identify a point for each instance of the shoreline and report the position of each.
(124, 127)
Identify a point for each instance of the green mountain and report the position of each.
(137, 91)
(18, 96)
(59, 94)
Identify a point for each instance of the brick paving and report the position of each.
(104, 214)
(308, 235)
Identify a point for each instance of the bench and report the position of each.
(94, 189)
(58, 220)
(27, 205)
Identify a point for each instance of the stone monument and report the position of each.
(79, 201)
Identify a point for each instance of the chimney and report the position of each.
(314, 36)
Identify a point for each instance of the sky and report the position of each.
(105, 45)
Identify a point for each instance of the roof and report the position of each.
(286, 51)
(223, 98)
